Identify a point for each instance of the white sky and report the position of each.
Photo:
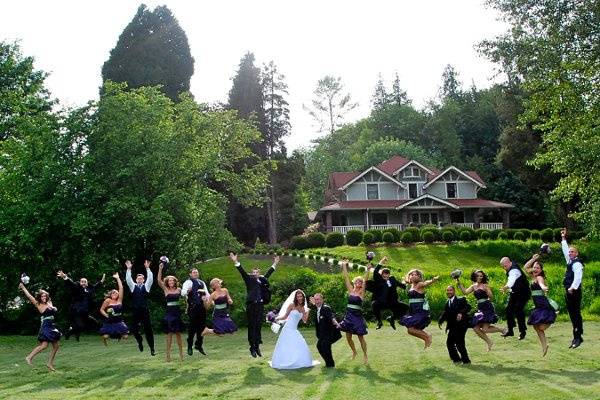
(307, 40)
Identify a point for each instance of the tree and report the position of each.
(380, 97)
(276, 108)
(23, 97)
(330, 104)
(450, 88)
(398, 96)
(551, 51)
(152, 50)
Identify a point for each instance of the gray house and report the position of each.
(399, 193)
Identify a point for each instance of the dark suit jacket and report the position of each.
(324, 325)
(459, 306)
(381, 291)
(83, 299)
(254, 287)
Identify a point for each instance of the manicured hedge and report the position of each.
(354, 237)
(448, 235)
(465, 235)
(334, 239)
(394, 232)
(428, 236)
(485, 235)
(407, 237)
(503, 236)
(519, 236)
(299, 243)
(547, 235)
(388, 237)
(316, 239)
(415, 233)
(368, 238)
(376, 234)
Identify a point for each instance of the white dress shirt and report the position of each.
(577, 266)
(147, 283)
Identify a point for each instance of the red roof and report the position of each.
(476, 203)
(364, 204)
(393, 164)
(475, 176)
(339, 179)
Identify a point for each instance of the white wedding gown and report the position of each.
(291, 350)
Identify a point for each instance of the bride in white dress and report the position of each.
(291, 350)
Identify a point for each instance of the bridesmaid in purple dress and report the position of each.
(354, 323)
(48, 332)
(544, 313)
(112, 310)
(222, 322)
(418, 318)
(173, 323)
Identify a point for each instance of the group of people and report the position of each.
(291, 350)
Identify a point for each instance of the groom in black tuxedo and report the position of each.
(327, 328)
(455, 316)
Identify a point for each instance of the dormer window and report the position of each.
(372, 191)
(416, 172)
(412, 172)
(451, 190)
(412, 191)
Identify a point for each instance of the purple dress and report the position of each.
(486, 313)
(222, 322)
(48, 332)
(173, 321)
(353, 320)
(418, 311)
(114, 326)
(543, 312)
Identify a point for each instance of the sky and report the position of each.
(355, 40)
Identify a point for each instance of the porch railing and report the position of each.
(382, 227)
(465, 224)
(490, 225)
(344, 229)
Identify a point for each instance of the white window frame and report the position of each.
(457, 196)
(417, 190)
(367, 190)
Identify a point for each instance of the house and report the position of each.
(400, 192)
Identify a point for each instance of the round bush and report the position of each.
(448, 236)
(535, 235)
(526, 233)
(511, 233)
(556, 232)
(519, 236)
(485, 235)
(406, 237)
(316, 239)
(415, 233)
(377, 235)
(368, 238)
(434, 231)
(354, 237)
(311, 256)
(334, 239)
(388, 237)
(494, 234)
(467, 229)
(465, 236)
(394, 232)
(547, 235)
(428, 236)
(478, 233)
(503, 236)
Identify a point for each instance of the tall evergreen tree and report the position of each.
(398, 95)
(152, 50)
(380, 97)
(330, 104)
(451, 86)
(276, 108)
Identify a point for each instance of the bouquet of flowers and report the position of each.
(456, 273)
(24, 278)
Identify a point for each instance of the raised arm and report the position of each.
(68, 281)
(462, 288)
(528, 267)
(238, 265)
(28, 295)
(345, 275)
(429, 281)
(542, 282)
(273, 266)
(128, 276)
(160, 282)
(100, 282)
(149, 276)
(119, 285)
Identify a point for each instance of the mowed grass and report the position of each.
(399, 369)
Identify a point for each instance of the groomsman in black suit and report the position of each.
(455, 316)
(258, 294)
(328, 329)
(385, 294)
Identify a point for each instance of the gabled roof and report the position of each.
(428, 196)
(351, 181)
(473, 177)
(479, 203)
(339, 179)
(393, 164)
(418, 164)
(364, 204)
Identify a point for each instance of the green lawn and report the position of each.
(399, 369)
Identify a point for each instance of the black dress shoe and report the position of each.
(190, 351)
(468, 362)
(576, 343)
(258, 353)
(521, 335)
(141, 346)
(379, 325)
(152, 353)
(201, 350)
(507, 334)
(253, 352)
(392, 322)
(68, 334)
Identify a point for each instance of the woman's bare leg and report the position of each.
(481, 333)
(55, 347)
(351, 344)
(37, 349)
(180, 345)
(363, 346)
(539, 329)
(169, 342)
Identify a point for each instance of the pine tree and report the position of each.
(399, 96)
(276, 108)
(330, 104)
(380, 97)
(152, 50)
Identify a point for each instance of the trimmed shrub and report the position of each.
(494, 233)
(547, 235)
(354, 237)
(368, 238)
(510, 233)
(335, 262)
(478, 232)
(519, 236)
(448, 236)
(377, 235)
(406, 237)
(394, 232)
(465, 236)
(467, 229)
(316, 239)
(388, 237)
(526, 233)
(535, 235)
(503, 236)
(334, 239)
(576, 235)
(311, 256)
(556, 233)
(437, 235)
(485, 235)
(428, 236)
(415, 233)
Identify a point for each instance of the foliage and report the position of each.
(428, 236)
(330, 103)
(448, 236)
(354, 237)
(485, 235)
(388, 237)
(377, 234)
(152, 50)
(414, 232)
(503, 236)
(519, 236)
(299, 243)
(395, 233)
(368, 238)
(334, 239)
(465, 236)
(316, 239)
(407, 237)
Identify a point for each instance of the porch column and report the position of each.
(477, 218)
(367, 219)
(328, 221)
(505, 218)
(445, 217)
(404, 219)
